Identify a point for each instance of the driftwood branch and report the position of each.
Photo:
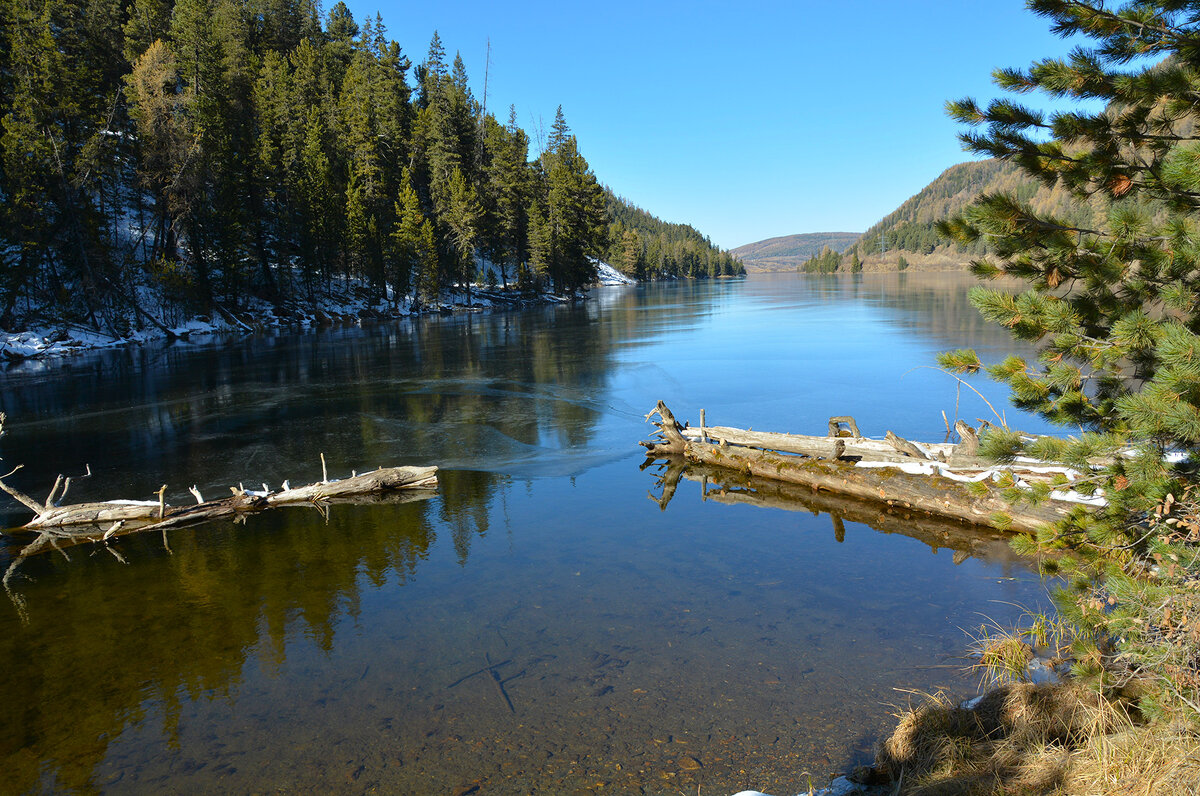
(129, 515)
(102, 520)
(836, 423)
(904, 446)
(20, 496)
(54, 491)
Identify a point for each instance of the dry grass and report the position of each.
(1037, 739)
(1139, 761)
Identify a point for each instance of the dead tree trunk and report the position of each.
(932, 494)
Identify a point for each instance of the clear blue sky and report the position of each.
(746, 120)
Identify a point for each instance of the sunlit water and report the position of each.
(541, 624)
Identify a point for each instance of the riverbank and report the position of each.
(341, 304)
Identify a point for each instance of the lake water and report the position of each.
(544, 623)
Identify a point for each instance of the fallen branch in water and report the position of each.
(103, 519)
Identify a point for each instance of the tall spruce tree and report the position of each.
(571, 218)
(505, 194)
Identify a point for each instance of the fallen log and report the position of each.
(933, 493)
(143, 515)
(31, 541)
(818, 447)
(385, 479)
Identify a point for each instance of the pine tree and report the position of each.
(559, 133)
(1115, 307)
(505, 195)
(462, 222)
(631, 253)
(574, 213)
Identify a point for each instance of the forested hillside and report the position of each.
(787, 252)
(191, 155)
(908, 235)
(645, 247)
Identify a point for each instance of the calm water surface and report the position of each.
(547, 622)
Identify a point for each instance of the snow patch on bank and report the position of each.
(995, 474)
(609, 276)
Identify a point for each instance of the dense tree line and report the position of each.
(645, 247)
(830, 261)
(209, 150)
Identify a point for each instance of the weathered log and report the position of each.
(141, 515)
(66, 536)
(382, 480)
(817, 447)
(933, 494)
(130, 511)
(962, 457)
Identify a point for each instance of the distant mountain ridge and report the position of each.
(787, 252)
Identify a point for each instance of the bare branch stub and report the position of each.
(53, 491)
(904, 446)
(970, 440)
(836, 423)
(22, 498)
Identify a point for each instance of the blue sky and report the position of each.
(747, 121)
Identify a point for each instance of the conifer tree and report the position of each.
(215, 149)
(559, 132)
(1115, 308)
(462, 221)
(505, 194)
(574, 213)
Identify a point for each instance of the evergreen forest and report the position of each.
(645, 247)
(197, 154)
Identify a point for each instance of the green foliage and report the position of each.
(1112, 305)
(662, 250)
(965, 360)
(827, 262)
(1001, 444)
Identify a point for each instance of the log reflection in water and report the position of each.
(26, 543)
(729, 487)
